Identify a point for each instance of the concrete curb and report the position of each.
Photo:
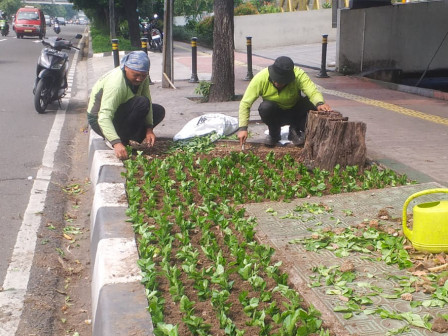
(119, 304)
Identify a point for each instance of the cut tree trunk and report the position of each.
(331, 139)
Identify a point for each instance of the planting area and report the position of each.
(204, 271)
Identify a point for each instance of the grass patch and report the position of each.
(101, 42)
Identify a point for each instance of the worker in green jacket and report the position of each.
(281, 86)
(120, 107)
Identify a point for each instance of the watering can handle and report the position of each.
(406, 230)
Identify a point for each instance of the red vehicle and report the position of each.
(30, 21)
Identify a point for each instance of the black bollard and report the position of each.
(194, 61)
(323, 71)
(115, 52)
(144, 42)
(250, 74)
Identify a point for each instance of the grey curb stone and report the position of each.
(119, 304)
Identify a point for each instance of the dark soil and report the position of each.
(202, 307)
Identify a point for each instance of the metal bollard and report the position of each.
(250, 74)
(194, 61)
(323, 71)
(144, 42)
(115, 52)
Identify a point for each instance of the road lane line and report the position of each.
(16, 280)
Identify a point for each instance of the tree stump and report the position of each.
(331, 139)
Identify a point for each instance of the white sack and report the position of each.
(208, 123)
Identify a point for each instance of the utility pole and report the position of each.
(112, 19)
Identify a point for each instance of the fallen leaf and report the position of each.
(343, 298)
(419, 273)
(406, 296)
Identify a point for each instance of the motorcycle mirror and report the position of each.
(78, 36)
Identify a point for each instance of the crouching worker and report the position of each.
(120, 107)
(281, 86)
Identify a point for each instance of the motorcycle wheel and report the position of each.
(42, 95)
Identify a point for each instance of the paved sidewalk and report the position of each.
(406, 132)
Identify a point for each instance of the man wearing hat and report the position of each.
(120, 107)
(281, 86)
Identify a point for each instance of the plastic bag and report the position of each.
(221, 124)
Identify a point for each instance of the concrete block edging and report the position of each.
(119, 303)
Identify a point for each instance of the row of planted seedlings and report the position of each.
(204, 271)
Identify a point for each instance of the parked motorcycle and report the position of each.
(153, 34)
(4, 27)
(56, 28)
(51, 72)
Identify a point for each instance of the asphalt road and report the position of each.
(33, 148)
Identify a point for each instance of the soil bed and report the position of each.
(203, 269)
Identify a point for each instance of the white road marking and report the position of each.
(16, 281)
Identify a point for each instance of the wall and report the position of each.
(404, 36)
(279, 29)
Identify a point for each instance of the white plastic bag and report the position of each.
(208, 123)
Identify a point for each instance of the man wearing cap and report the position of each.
(120, 107)
(281, 86)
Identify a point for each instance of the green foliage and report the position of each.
(326, 5)
(10, 7)
(124, 29)
(182, 33)
(205, 31)
(203, 89)
(65, 11)
(147, 8)
(246, 8)
(268, 7)
(101, 41)
(193, 8)
(202, 30)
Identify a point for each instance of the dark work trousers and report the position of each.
(130, 119)
(275, 117)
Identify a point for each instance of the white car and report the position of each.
(47, 20)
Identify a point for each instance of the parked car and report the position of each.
(29, 21)
(61, 20)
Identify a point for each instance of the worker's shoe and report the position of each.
(296, 137)
(271, 141)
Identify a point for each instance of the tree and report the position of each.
(192, 8)
(223, 61)
(10, 7)
(133, 23)
(123, 10)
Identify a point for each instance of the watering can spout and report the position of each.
(430, 223)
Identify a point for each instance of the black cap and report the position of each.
(282, 71)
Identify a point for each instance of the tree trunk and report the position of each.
(331, 139)
(132, 17)
(223, 73)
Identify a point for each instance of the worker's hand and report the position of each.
(150, 138)
(324, 108)
(120, 151)
(242, 135)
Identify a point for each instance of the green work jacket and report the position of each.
(261, 86)
(109, 92)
